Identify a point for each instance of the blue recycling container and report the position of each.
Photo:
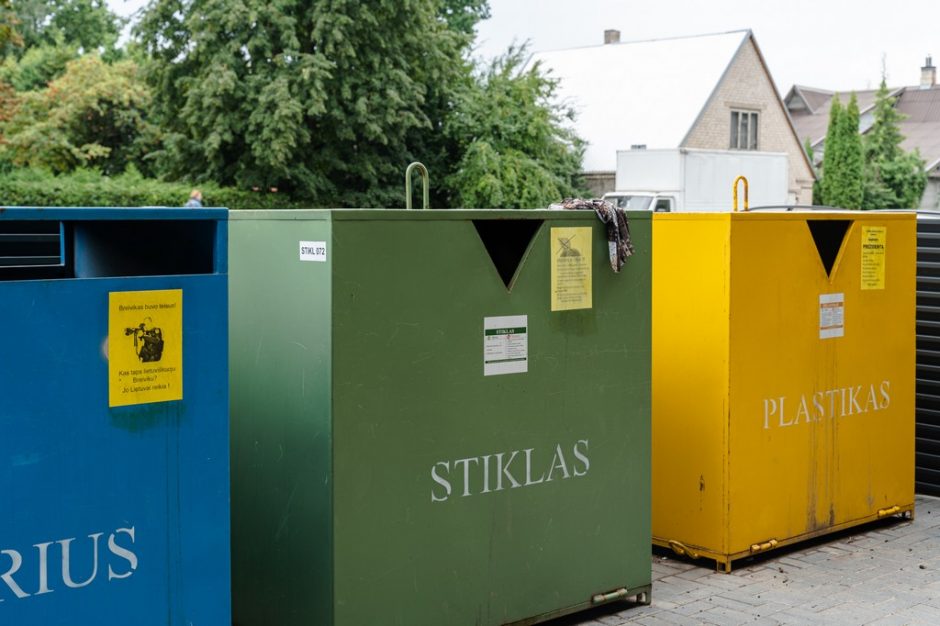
(114, 417)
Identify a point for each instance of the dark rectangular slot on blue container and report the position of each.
(144, 248)
(31, 249)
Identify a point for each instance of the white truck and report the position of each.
(698, 180)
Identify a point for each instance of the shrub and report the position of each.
(89, 188)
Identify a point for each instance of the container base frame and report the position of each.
(724, 561)
(642, 594)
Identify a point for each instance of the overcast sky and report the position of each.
(820, 43)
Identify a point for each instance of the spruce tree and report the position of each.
(884, 138)
(893, 178)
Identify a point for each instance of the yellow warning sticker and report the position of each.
(874, 248)
(145, 346)
(571, 268)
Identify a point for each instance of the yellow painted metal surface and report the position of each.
(783, 393)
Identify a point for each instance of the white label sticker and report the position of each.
(505, 345)
(313, 251)
(831, 315)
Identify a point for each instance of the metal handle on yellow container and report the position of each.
(735, 187)
(767, 545)
(683, 550)
(424, 181)
(889, 511)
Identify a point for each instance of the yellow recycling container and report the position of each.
(783, 376)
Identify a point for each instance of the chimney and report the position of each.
(928, 74)
(611, 36)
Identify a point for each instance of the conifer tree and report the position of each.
(832, 153)
(853, 160)
(843, 159)
(893, 178)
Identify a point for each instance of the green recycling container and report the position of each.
(437, 417)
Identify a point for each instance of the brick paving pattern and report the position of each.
(882, 574)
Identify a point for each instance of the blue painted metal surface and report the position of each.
(114, 516)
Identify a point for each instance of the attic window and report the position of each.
(744, 126)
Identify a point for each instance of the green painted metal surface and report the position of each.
(378, 476)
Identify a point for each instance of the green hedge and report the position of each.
(92, 189)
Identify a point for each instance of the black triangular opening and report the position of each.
(828, 236)
(506, 241)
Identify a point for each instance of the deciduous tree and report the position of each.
(94, 115)
(316, 98)
(86, 24)
(330, 100)
(517, 151)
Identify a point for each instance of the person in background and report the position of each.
(195, 200)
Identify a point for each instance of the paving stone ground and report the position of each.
(885, 573)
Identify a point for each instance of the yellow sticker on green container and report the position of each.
(145, 346)
(874, 248)
(571, 268)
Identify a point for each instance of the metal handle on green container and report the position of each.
(425, 184)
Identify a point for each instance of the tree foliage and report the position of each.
(850, 188)
(91, 116)
(318, 98)
(874, 172)
(331, 100)
(516, 150)
(843, 159)
(37, 66)
(832, 154)
(893, 178)
(10, 37)
(326, 101)
(85, 24)
(462, 15)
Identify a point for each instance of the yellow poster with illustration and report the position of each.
(571, 268)
(874, 248)
(145, 346)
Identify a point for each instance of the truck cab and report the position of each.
(642, 201)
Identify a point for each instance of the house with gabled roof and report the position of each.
(710, 92)
(920, 106)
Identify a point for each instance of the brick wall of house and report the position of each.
(931, 198)
(599, 183)
(746, 86)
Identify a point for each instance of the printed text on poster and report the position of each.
(145, 346)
